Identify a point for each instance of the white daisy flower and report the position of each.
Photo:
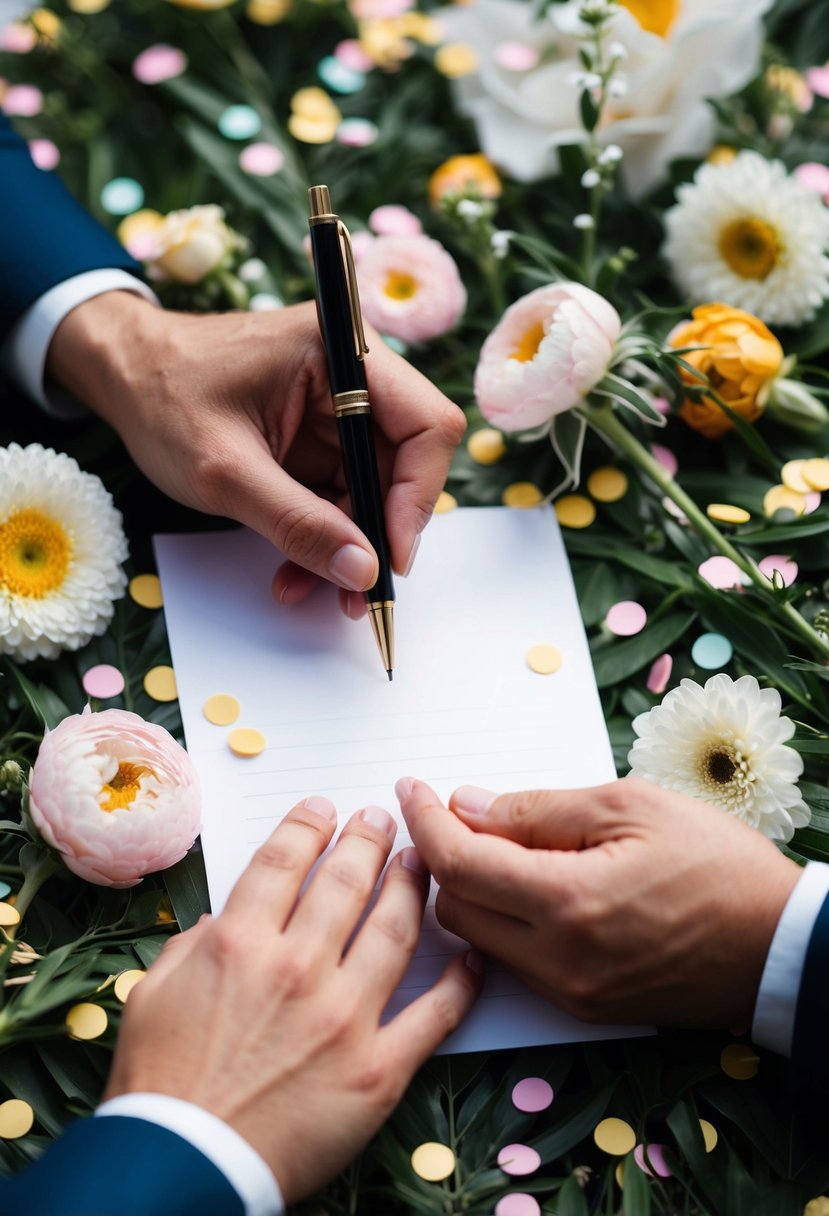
(750, 235)
(61, 545)
(725, 744)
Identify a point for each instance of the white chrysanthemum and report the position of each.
(725, 744)
(750, 235)
(61, 545)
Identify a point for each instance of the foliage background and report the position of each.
(772, 1152)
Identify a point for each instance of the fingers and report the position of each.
(496, 874)
(417, 1032)
(425, 427)
(177, 948)
(383, 949)
(548, 819)
(336, 898)
(268, 888)
(502, 936)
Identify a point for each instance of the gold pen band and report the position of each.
(353, 402)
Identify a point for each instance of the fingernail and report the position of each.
(411, 859)
(320, 806)
(378, 818)
(403, 787)
(475, 961)
(353, 567)
(473, 800)
(412, 555)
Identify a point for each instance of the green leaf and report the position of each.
(186, 884)
(636, 1192)
(618, 660)
(567, 436)
(45, 703)
(628, 395)
(589, 111)
(571, 1200)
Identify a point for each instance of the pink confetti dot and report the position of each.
(626, 618)
(17, 38)
(518, 1159)
(785, 566)
(655, 1163)
(516, 56)
(44, 153)
(23, 100)
(517, 1204)
(261, 159)
(532, 1094)
(103, 681)
(661, 404)
(665, 457)
(660, 674)
(350, 53)
(818, 81)
(159, 62)
(721, 572)
(814, 176)
(813, 501)
(356, 132)
(392, 220)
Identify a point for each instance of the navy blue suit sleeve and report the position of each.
(116, 1166)
(46, 236)
(810, 1059)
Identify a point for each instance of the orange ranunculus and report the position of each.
(739, 356)
(465, 173)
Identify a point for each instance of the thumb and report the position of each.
(541, 819)
(312, 532)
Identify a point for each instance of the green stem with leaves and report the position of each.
(603, 419)
(44, 868)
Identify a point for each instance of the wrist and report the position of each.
(92, 348)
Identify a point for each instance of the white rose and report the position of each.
(189, 244)
(712, 49)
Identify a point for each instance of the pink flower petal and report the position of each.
(818, 81)
(814, 176)
(393, 220)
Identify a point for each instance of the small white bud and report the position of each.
(468, 209)
(500, 242)
(584, 221)
(617, 51)
(590, 178)
(251, 270)
(618, 87)
(611, 155)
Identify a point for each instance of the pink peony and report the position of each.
(544, 355)
(390, 219)
(410, 287)
(115, 795)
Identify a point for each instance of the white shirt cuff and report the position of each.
(774, 1012)
(23, 355)
(244, 1169)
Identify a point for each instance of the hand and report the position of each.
(259, 1018)
(622, 903)
(231, 413)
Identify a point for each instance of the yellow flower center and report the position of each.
(750, 247)
(400, 286)
(655, 16)
(528, 345)
(35, 553)
(124, 786)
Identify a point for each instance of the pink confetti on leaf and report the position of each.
(158, 63)
(532, 1094)
(660, 674)
(518, 1159)
(626, 618)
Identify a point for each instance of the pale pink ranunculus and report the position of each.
(115, 795)
(390, 219)
(544, 355)
(410, 287)
(814, 176)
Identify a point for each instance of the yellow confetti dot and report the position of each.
(9, 916)
(313, 102)
(544, 659)
(145, 589)
(709, 1135)
(246, 741)
(725, 513)
(313, 130)
(89, 6)
(792, 476)
(522, 494)
(46, 23)
(739, 1061)
(816, 474)
(126, 981)
(267, 12)
(486, 446)
(16, 1119)
(456, 59)
(780, 498)
(620, 1175)
(86, 1021)
(160, 684)
(446, 502)
(432, 1161)
(575, 511)
(615, 1137)
(221, 709)
(607, 484)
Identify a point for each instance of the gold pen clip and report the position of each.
(357, 331)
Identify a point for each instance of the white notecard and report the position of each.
(463, 708)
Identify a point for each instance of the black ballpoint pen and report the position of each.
(341, 324)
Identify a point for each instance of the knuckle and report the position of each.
(224, 941)
(348, 876)
(397, 929)
(449, 868)
(446, 1014)
(452, 424)
(275, 855)
(294, 976)
(301, 532)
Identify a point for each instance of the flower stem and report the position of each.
(43, 868)
(604, 420)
